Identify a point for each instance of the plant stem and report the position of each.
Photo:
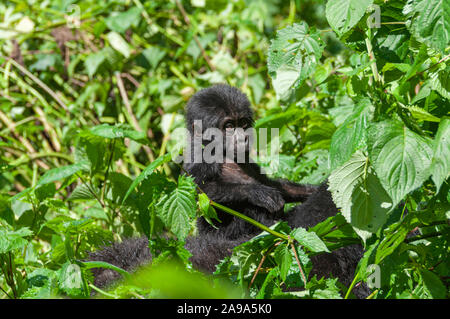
(299, 264)
(352, 285)
(249, 220)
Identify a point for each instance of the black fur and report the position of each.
(241, 187)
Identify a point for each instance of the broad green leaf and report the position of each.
(440, 81)
(122, 21)
(422, 115)
(440, 168)
(401, 158)
(277, 120)
(117, 131)
(293, 56)
(434, 288)
(309, 239)
(357, 191)
(177, 208)
(12, 240)
(71, 280)
(351, 135)
(207, 211)
(430, 21)
(147, 172)
(119, 44)
(59, 173)
(81, 192)
(154, 55)
(343, 15)
(93, 62)
(284, 259)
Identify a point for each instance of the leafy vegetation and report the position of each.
(92, 95)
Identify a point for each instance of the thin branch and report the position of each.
(134, 121)
(10, 124)
(188, 23)
(298, 263)
(38, 82)
(261, 263)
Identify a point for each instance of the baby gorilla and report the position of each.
(218, 160)
(222, 167)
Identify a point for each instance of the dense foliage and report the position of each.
(92, 93)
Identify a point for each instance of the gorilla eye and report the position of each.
(244, 123)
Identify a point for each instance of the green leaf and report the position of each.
(440, 81)
(351, 135)
(59, 173)
(309, 240)
(147, 172)
(12, 240)
(81, 192)
(178, 207)
(277, 120)
(357, 191)
(430, 21)
(343, 15)
(440, 167)
(119, 44)
(422, 115)
(93, 62)
(207, 211)
(122, 21)
(433, 286)
(401, 158)
(284, 259)
(118, 131)
(154, 55)
(293, 56)
(71, 279)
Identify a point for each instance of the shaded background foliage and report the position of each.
(92, 93)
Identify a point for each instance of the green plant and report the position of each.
(89, 115)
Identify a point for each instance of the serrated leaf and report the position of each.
(430, 21)
(309, 240)
(178, 207)
(12, 240)
(117, 131)
(284, 260)
(59, 173)
(440, 81)
(147, 172)
(401, 158)
(357, 191)
(440, 167)
(422, 115)
(433, 286)
(81, 192)
(351, 135)
(293, 56)
(343, 15)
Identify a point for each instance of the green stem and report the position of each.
(373, 65)
(249, 220)
(102, 291)
(433, 234)
(352, 285)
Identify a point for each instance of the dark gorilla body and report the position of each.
(242, 187)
